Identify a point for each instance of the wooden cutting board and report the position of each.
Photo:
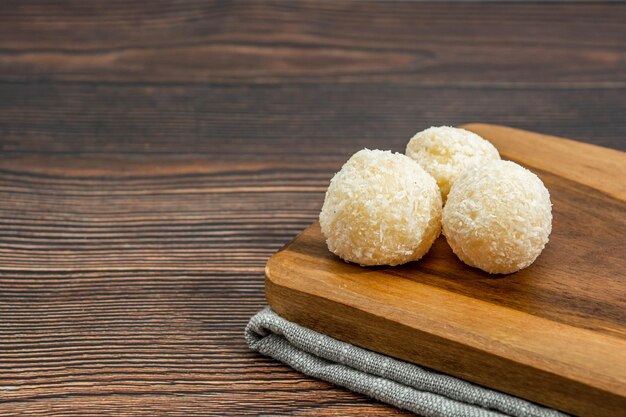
(554, 333)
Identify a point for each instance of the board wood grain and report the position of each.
(554, 333)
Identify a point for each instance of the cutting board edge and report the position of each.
(546, 388)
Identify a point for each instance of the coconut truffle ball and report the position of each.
(498, 217)
(381, 208)
(445, 152)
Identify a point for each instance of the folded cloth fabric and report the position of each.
(407, 386)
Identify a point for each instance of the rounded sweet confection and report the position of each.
(445, 152)
(498, 217)
(381, 208)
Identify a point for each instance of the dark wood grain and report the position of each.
(271, 42)
(316, 123)
(153, 155)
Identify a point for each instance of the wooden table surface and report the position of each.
(154, 154)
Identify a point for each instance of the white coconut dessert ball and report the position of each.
(445, 152)
(498, 217)
(381, 208)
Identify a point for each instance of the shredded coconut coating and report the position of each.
(445, 152)
(381, 208)
(498, 217)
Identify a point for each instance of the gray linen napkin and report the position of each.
(390, 380)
